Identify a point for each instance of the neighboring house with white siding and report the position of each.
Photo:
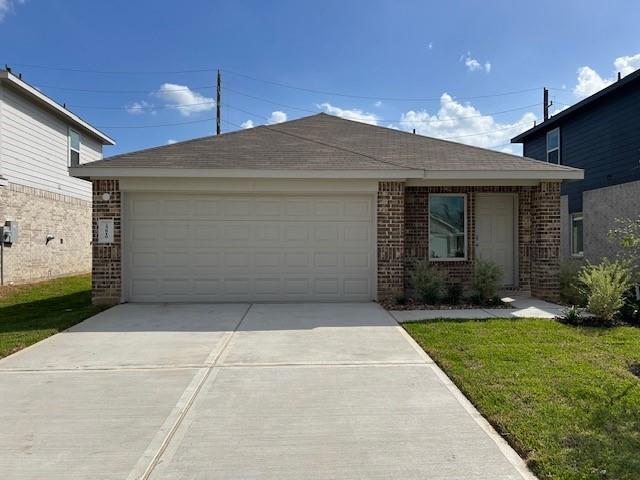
(45, 214)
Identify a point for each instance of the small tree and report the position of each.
(604, 286)
(486, 279)
(428, 282)
(627, 235)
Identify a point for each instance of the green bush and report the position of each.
(486, 280)
(428, 282)
(604, 286)
(454, 294)
(571, 315)
(570, 292)
(630, 311)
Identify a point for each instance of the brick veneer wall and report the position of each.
(107, 270)
(545, 241)
(391, 238)
(40, 213)
(538, 237)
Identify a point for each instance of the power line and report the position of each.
(208, 119)
(284, 105)
(510, 127)
(143, 107)
(365, 97)
(111, 72)
(269, 82)
(88, 90)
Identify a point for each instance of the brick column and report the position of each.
(545, 241)
(390, 239)
(106, 278)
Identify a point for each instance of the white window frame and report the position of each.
(466, 234)
(557, 129)
(573, 217)
(71, 149)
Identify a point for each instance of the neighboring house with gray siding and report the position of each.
(600, 134)
(44, 212)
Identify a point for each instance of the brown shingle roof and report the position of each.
(323, 142)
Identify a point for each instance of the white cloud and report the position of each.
(430, 46)
(590, 81)
(465, 124)
(474, 65)
(171, 141)
(353, 114)
(8, 6)
(138, 108)
(277, 117)
(247, 124)
(183, 99)
(378, 104)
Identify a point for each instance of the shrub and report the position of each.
(486, 279)
(454, 294)
(604, 286)
(428, 282)
(400, 299)
(570, 292)
(630, 311)
(571, 315)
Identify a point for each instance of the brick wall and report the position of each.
(538, 237)
(545, 241)
(40, 213)
(107, 269)
(391, 238)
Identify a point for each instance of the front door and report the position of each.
(495, 232)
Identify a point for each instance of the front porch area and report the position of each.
(515, 226)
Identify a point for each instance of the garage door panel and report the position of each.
(263, 248)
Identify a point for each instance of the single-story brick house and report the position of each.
(317, 209)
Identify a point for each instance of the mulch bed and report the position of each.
(416, 305)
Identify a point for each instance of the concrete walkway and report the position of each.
(524, 307)
(289, 391)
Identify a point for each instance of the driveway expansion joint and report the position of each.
(183, 407)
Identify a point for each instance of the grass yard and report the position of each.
(29, 313)
(562, 396)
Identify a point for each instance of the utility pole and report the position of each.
(218, 88)
(545, 102)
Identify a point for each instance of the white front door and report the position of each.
(495, 236)
(208, 248)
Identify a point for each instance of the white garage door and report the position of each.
(201, 248)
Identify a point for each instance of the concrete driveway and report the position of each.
(230, 391)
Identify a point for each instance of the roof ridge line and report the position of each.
(339, 147)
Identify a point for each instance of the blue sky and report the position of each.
(449, 58)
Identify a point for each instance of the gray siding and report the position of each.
(34, 148)
(601, 207)
(602, 138)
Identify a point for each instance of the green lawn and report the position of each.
(32, 312)
(562, 396)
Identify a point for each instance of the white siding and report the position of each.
(35, 148)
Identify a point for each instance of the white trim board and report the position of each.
(248, 185)
(88, 171)
(26, 89)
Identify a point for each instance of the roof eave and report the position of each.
(71, 117)
(632, 77)
(88, 172)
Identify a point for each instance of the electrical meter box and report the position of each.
(10, 232)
